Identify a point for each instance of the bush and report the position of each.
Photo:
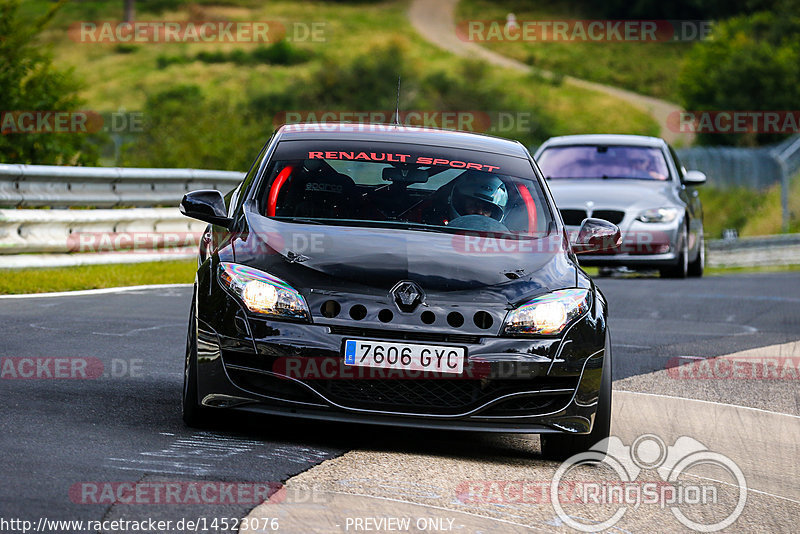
(280, 53)
(163, 61)
(125, 48)
(184, 128)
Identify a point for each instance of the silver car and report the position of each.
(637, 183)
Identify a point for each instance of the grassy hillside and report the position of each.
(125, 76)
(645, 67)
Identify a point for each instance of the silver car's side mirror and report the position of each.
(694, 178)
(596, 235)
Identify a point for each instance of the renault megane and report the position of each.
(398, 276)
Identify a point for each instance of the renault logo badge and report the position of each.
(407, 295)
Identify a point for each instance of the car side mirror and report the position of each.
(206, 205)
(694, 178)
(596, 235)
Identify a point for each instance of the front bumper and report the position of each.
(530, 385)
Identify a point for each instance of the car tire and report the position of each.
(194, 414)
(681, 268)
(562, 446)
(697, 267)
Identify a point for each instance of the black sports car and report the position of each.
(398, 276)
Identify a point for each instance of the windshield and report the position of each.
(395, 185)
(589, 161)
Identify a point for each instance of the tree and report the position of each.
(30, 82)
(130, 10)
(750, 63)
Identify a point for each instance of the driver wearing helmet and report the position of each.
(479, 193)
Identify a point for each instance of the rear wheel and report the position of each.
(698, 265)
(562, 446)
(681, 268)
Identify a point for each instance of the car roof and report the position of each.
(401, 134)
(606, 139)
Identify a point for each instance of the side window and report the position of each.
(236, 195)
(678, 164)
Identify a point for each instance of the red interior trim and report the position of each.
(529, 205)
(272, 200)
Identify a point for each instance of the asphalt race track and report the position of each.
(62, 438)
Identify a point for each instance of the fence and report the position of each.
(752, 168)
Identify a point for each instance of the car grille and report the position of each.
(433, 395)
(418, 336)
(612, 216)
(573, 217)
(439, 396)
(530, 404)
(576, 217)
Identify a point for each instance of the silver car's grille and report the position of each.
(575, 217)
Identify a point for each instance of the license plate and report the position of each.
(409, 356)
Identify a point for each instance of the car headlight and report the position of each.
(263, 293)
(658, 215)
(548, 314)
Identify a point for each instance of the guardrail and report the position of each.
(104, 187)
(754, 251)
(57, 237)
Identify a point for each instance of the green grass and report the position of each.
(16, 281)
(122, 78)
(647, 68)
(719, 271)
(751, 213)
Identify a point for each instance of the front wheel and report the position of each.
(681, 268)
(697, 267)
(194, 414)
(562, 446)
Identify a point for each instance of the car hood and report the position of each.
(360, 259)
(618, 193)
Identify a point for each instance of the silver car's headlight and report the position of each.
(262, 293)
(548, 314)
(658, 215)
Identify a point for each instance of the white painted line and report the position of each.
(101, 291)
(736, 486)
(737, 406)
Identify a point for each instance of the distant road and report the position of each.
(435, 21)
